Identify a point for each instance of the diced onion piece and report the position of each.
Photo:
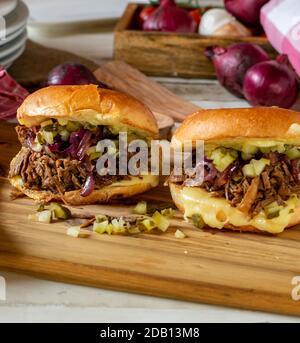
(168, 212)
(179, 234)
(161, 222)
(140, 208)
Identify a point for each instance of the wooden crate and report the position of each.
(169, 54)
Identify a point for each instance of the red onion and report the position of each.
(271, 83)
(88, 186)
(232, 63)
(72, 74)
(11, 95)
(246, 11)
(84, 145)
(168, 17)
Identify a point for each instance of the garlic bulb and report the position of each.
(218, 22)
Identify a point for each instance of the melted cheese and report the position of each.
(216, 212)
(153, 180)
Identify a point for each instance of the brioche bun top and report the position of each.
(240, 124)
(87, 103)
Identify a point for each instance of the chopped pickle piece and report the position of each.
(249, 149)
(293, 153)
(148, 224)
(91, 150)
(61, 212)
(161, 222)
(255, 167)
(179, 234)
(64, 135)
(100, 227)
(47, 123)
(246, 156)
(272, 210)
(168, 212)
(44, 216)
(95, 155)
(62, 122)
(133, 230)
(48, 136)
(222, 158)
(101, 218)
(75, 231)
(73, 126)
(198, 221)
(140, 208)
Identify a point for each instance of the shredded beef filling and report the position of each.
(55, 171)
(277, 182)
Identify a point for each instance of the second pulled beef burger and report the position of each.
(251, 169)
(59, 130)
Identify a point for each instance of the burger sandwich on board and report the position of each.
(59, 129)
(251, 169)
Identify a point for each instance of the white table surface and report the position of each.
(29, 299)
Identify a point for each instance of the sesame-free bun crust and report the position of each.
(87, 103)
(177, 198)
(239, 124)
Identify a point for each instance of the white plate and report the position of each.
(56, 12)
(14, 45)
(7, 6)
(12, 36)
(16, 19)
(9, 60)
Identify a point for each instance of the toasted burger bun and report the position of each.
(176, 192)
(233, 126)
(96, 106)
(87, 103)
(240, 124)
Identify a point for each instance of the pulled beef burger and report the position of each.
(251, 169)
(59, 130)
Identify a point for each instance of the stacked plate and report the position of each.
(13, 19)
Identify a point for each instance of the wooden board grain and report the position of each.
(169, 53)
(228, 268)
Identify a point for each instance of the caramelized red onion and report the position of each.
(88, 186)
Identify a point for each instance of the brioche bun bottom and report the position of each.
(117, 190)
(178, 200)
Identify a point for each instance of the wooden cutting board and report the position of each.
(234, 269)
(228, 268)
